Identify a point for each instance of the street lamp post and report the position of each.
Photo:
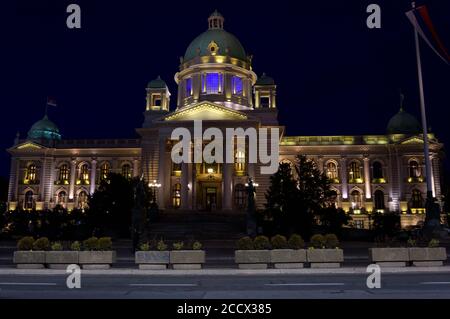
(154, 186)
(251, 207)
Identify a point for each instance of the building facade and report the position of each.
(216, 84)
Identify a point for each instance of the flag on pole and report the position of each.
(51, 101)
(421, 21)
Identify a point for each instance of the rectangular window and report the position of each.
(212, 83)
(237, 85)
(265, 101)
(189, 87)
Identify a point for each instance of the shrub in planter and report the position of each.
(282, 257)
(58, 258)
(261, 243)
(279, 242)
(25, 257)
(25, 243)
(97, 253)
(245, 243)
(331, 241)
(41, 244)
(433, 243)
(104, 243)
(153, 255)
(430, 256)
(296, 242)
(252, 254)
(318, 241)
(75, 246)
(90, 243)
(188, 256)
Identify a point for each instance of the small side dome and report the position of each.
(403, 123)
(44, 129)
(265, 80)
(157, 83)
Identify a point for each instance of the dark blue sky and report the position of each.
(334, 75)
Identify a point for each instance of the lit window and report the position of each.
(84, 173)
(240, 162)
(63, 173)
(354, 172)
(29, 200)
(239, 196)
(176, 169)
(189, 87)
(212, 83)
(356, 199)
(104, 171)
(82, 200)
(30, 174)
(176, 195)
(237, 85)
(379, 199)
(126, 171)
(414, 169)
(61, 198)
(332, 172)
(416, 199)
(377, 170)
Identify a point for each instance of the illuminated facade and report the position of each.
(216, 84)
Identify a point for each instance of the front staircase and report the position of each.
(183, 225)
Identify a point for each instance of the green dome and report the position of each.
(265, 80)
(157, 83)
(403, 123)
(224, 40)
(44, 129)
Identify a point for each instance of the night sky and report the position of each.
(334, 75)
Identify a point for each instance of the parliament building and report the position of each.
(216, 84)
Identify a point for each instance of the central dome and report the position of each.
(215, 41)
(44, 129)
(403, 123)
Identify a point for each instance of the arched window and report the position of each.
(356, 199)
(126, 171)
(240, 196)
(331, 171)
(377, 170)
(212, 83)
(354, 172)
(176, 195)
(84, 174)
(63, 174)
(82, 200)
(414, 169)
(239, 165)
(416, 199)
(31, 174)
(379, 199)
(104, 171)
(61, 198)
(29, 202)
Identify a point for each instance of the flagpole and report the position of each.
(424, 126)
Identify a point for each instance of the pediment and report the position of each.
(28, 145)
(205, 111)
(412, 140)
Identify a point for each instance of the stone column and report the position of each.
(136, 172)
(93, 174)
(13, 180)
(320, 164)
(73, 172)
(343, 171)
(433, 185)
(162, 170)
(367, 177)
(227, 186)
(184, 186)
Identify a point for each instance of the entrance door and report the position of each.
(211, 198)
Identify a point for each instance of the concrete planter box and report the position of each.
(97, 259)
(61, 259)
(325, 258)
(187, 259)
(152, 259)
(389, 257)
(427, 257)
(252, 259)
(288, 258)
(29, 259)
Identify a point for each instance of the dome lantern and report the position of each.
(215, 21)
